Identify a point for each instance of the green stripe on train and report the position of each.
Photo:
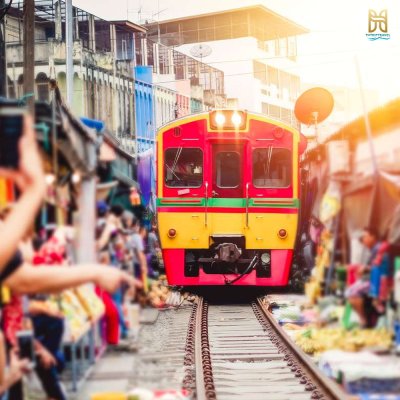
(228, 203)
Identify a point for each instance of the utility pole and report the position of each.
(3, 66)
(69, 53)
(29, 53)
(366, 118)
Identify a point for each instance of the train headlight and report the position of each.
(282, 233)
(236, 119)
(171, 233)
(228, 120)
(265, 258)
(220, 119)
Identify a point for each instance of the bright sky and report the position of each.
(326, 55)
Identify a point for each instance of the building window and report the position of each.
(272, 168)
(260, 71)
(11, 88)
(183, 167)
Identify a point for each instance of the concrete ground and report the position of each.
(113, 373)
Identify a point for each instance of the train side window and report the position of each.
(228, 169)
(272, 168)
(183, 167)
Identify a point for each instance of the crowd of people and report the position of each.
(122, 241)
(33, 266)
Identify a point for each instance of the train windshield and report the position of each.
(183, 167)
(272, 168)
(228, 169)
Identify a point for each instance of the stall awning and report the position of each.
(107, 153)
(74, 139)
(124, 179)
(98, 126)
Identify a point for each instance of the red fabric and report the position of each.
(51, 253)
(111, 317)
(352, 273)
(12, 319)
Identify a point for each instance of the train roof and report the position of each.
(204, 114)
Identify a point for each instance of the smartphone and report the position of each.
(26, 347)
(11, 129)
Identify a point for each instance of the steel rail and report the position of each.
(300, 363)
(200, 385)
(205, 389)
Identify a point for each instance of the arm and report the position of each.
(143, 267)
(30, 181)
(46, 358)
(44, 279)
(142, 260)
(105, 236)
(37, 307)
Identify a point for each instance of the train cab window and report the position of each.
(272, 168)
(183, 167)
(228, 169)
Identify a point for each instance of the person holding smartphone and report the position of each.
(28, 176)
(21, 277)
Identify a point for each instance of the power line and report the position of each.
(4, 10)
(350, 51)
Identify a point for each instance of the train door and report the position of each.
(227, 170)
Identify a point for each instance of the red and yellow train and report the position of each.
(228, 198)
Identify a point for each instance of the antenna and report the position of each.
(314, 106)
(200, 51)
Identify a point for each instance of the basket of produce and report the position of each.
(314, 341)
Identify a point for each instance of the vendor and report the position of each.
(364, 294)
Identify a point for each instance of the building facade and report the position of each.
(103, 60)
(181, 73)
(144, 108)
(165, 101)
(260, 76)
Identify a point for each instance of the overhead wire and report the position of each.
(4, 10)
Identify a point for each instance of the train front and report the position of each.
(228, 199)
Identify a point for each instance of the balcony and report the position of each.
(56, 51)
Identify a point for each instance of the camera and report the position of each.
(11, 129)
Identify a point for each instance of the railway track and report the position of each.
(240, 352)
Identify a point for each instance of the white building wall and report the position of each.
(387, 151)
(238, 68)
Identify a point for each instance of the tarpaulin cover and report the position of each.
(387, 200)
(93, 124)
(146, 176)
(357, 206)
(373, 203)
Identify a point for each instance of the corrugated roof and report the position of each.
(259, 7)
